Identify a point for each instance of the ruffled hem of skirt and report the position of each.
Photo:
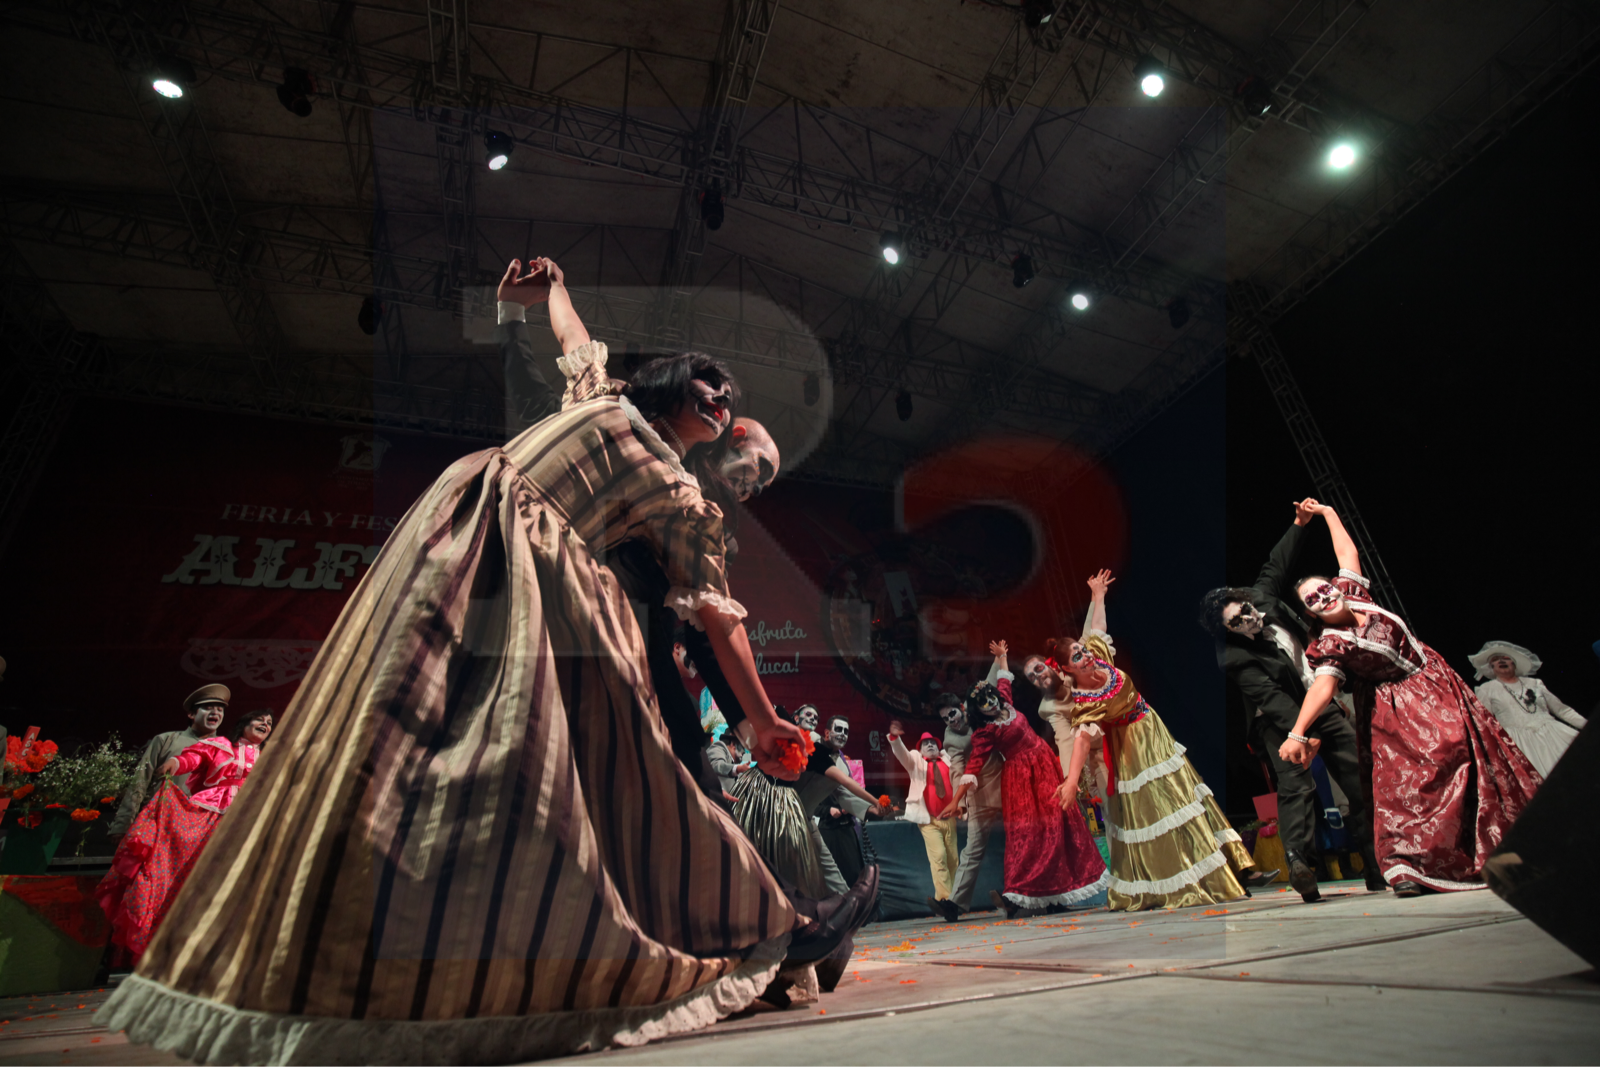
(1401, 872)
(1165, 886)
(208, 1032)
(1075, 896)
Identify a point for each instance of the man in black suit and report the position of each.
(1263, 651)
(751, 466)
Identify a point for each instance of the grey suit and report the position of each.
(983, 813)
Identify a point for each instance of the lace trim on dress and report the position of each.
(1187, 813)
(653, 441)
(589, 354)
(686, 602)
(1391, 875)
(1073, 897)
(210, 1032)
(1330, 670)
(1154, 771)
(1354, 577)
(1163, 886)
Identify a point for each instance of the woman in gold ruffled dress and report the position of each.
(1171, 846)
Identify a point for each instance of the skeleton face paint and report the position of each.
(1243, 618)
(1040, 674)
(806, 718)
(954, 718)
(1323, 599)
(711, 405)
(929, 750)
(985, 701)
(838, 734)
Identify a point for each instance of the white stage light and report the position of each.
(890, 243)
(1341, 156)
(1080, 301)
(167, 88)
(1152, 84)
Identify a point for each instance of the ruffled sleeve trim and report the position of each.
(969, 780)
(1330, 671)
(1105, 639)
(590, 354)
(656, 444)
(688, 602)
(1354, 577)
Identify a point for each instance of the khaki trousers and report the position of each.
(939, 838)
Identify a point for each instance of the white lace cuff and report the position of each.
(969, 779)
(1354, 577)
(1330, 670)
(589, 354)
(1091, 730)
(510, 311)
(688, 602)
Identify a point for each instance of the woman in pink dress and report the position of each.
(155, 856)
(1051, 858)
(1447, 783)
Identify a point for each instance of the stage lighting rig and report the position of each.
(1036, 13)
(1080, 298)
(369, 316)
(891, 246)
(498, 146)
(711, 207)
(1021, 270)
(1342, 155)
(1152, 77)
(295, 92)
(902, 405)
(171, 76)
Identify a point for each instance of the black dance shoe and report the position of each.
(945, 909)
(1408, 888)
(1004, 904)
(1303, 878)
(1369, 869)
(1257, 879)
(834, 918)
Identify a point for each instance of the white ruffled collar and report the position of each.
(655, 443)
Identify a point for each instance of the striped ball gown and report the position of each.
(470, 841)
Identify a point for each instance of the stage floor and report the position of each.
(1358, 978)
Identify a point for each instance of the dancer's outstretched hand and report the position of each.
(998, 648)
(1067, 795)
(527, 289)
(1305, 510)
(768, 752)
(1099, 583)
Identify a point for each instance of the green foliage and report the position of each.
(88, 777)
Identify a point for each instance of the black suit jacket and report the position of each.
(529, 398)
(1266, 677)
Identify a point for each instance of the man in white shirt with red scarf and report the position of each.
(931, 788)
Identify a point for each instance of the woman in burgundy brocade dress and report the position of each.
(1447, 783)
(1051, 858)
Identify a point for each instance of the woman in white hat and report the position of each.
(1540, 724)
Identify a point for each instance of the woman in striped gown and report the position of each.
(474, 844)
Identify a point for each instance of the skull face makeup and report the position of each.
(805, 717)
(955, 719)
(838, 733)
(1037, 671)
(711, 405)
(929, 750)
(985, 701)
(1323, 598)
(1243, 618)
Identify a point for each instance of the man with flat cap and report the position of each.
(205, 708)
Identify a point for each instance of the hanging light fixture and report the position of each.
(498, 146)
(902, 405)
(295, 92)
(889, 243)
(171, 76)
(1021, 270)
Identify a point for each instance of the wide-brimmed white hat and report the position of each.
(1526, 662)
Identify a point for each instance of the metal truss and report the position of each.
(1252, 336)
(745, 31)
(1556, 46)
(179, 136)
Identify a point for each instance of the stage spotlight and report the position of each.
(1177, 312)
(812, 389)
(499, 146)
(902, 406)
(1342, 155)
(1254, 96)
(367, 318)
(1152, 77)
(295, 92)
(890, 243)
(1080, 299)
(1021, 271)
(1036, 13)
(171, 76)
(711, 209)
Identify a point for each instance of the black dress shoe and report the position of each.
(1408, 888)
(837, 917)
(1369, 869)
(1004, 904)
(1303, 878)
(1257, 879)
(945, 909)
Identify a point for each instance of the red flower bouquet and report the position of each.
(792, 755)
(84, 815)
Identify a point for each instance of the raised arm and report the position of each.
(900, 751)
(564, 322)
(1344, 546)
(1278, 571)
(998, 650)
(1098, 584)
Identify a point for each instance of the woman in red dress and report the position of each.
(155, 856)
(1447, 783)
(1051, 858)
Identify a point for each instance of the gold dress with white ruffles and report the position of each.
(1171, 846)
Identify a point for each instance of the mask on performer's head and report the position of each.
(1243, 618)
(1321, 598)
